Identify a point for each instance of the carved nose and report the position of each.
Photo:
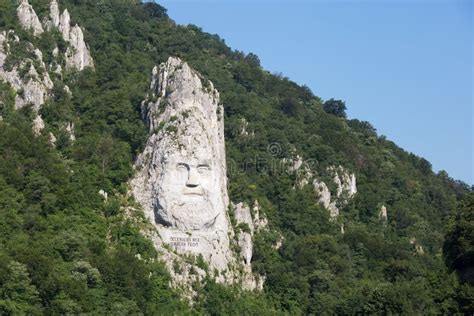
(193, 180)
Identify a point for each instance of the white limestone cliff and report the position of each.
(248, 223)
(28, 18)
(32, 88)
(346, 188)
(180, 178)
(346, 183)
(252, 221)
(54, 13)
(324, 198)
(77, 54)
(302, 170)
(65, 24)
(30, 78)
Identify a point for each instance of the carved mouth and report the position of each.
(199, 192)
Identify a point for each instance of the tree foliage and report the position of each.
(64, 250)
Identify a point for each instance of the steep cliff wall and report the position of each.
(181, 174)
(28, 75)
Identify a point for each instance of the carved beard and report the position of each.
(187, 213)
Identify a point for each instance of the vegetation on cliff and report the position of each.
(64, 249)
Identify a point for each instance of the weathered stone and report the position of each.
(345, 190)
(417, 247)
(180, 178)
(38, 125)
(345, 182)
(243, 216)
(52, 139)
(70, 130)
(297, 163)
(383, 213)
(28, 18)
(302, 170)
(78, 55)
(54, 13)
(324, 198)
(104, 194)
(181, 175)
(259, 221)
(34, 88)
(278, 243)
(65, 24)
(248, 223)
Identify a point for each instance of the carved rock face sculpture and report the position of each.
(181, 174)
(181, 179)
(188, 188)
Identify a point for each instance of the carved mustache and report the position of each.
(194, 191)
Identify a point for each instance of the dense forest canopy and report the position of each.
(64, 249)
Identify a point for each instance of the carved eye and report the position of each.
(181, 167)
(202, 168)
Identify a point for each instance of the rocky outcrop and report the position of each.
(38, 125)
(78, 55)
(302, 170)
(248, 223)
(345, 182)
(383, 214)
(296, 164)
(54, 13)
(418, 249)
(180, 176)
(246, 229)
(244, 124)
(324, 198)
(31, 86)
(346, 188)
(65, 24)
(70, 130)
(29, 78)
(28, 18)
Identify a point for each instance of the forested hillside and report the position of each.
(65, 249)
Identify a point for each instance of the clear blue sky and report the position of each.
(404, 66)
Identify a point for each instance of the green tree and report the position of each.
(335, 107)
(17, 295)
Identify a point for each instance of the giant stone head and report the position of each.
(183, 166)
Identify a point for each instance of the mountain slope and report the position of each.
(66, 249)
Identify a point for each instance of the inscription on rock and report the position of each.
(184, 241)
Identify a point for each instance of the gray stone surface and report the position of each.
(346, 188)
(181, 174)
(28, 18)
(180, 178)
(34, 87)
